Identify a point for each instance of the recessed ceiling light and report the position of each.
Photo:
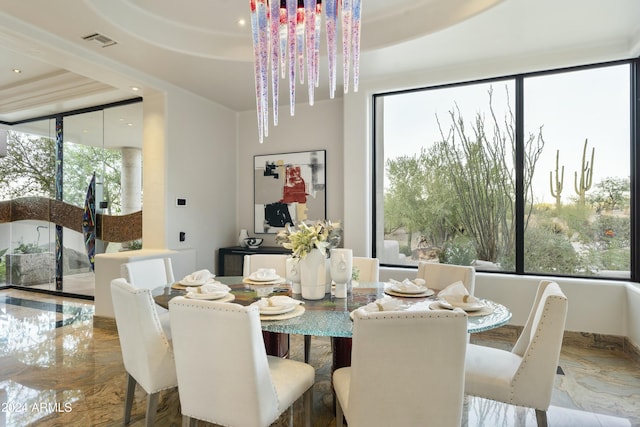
(129, 124)
(242, 22)
(17, 70)
(135, 88)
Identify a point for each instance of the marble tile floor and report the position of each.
(56, 369)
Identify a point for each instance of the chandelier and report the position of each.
(286, 37)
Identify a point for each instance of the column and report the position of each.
(131, 176)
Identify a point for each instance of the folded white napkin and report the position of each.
(210, 288)
(264, 274)
(384, 304)
(415, 286)
(199, 277)
(457, 295)
(277, 301)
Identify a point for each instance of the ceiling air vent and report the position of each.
(104, 41)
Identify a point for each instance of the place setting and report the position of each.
(203, 285)
(279, 307)
(386, 303)
(415, 288)
(195, 279)
(264, 276)
(456, 295)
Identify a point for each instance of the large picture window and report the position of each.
(526, 174)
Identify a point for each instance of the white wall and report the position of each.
(187, 155)
(597, 306)
(312, 128)
(201, 169)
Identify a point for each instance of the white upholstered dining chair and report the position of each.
(255, 261)
(407, 369)
(439, 276)
(146, 348)
(369, 268)
(525, 375)
(148, 273)
(232, 381)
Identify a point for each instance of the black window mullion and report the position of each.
(519, 169)
(635, 161)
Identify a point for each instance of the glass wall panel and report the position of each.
(105, 142)
(27, 182)
(580, 222)
(94, 143)
(448, 186)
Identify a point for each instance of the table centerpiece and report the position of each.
(310, 244)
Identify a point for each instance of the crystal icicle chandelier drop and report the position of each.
(286, 36)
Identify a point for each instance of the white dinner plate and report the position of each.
(264, 279)
(250, 281)
(470, 306)
(418, 290)
(277, 309)
(426, 293)
(189, 283)
(219, 296)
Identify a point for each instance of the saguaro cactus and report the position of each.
(559, 182)
(586, 175)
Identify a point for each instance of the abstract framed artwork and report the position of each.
(288, 188)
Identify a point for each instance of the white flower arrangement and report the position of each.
(323, 235)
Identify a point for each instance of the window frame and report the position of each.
(519, 208)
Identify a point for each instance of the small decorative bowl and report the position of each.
(253, 242)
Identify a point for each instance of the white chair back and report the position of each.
(539, 345)
(407, 369)
(146, 350)
(439, 276)
(256, 261)
(230, 381)
(524, 376)
(148, 273)
(369, 268)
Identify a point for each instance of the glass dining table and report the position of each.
(330, 316)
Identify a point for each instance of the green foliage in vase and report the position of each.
(323, 235)
(355, 273)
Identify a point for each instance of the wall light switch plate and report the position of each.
(181, 202)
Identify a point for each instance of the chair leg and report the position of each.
(128, 399)
(541, 418)
(307, 347)
(188, 421)
(152, 407)
(339, 414)
(308, 406)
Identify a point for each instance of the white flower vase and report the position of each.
(341, 270)
(313, 275)
(243, 235)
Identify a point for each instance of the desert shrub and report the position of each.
(459, 251)
(545, 251)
